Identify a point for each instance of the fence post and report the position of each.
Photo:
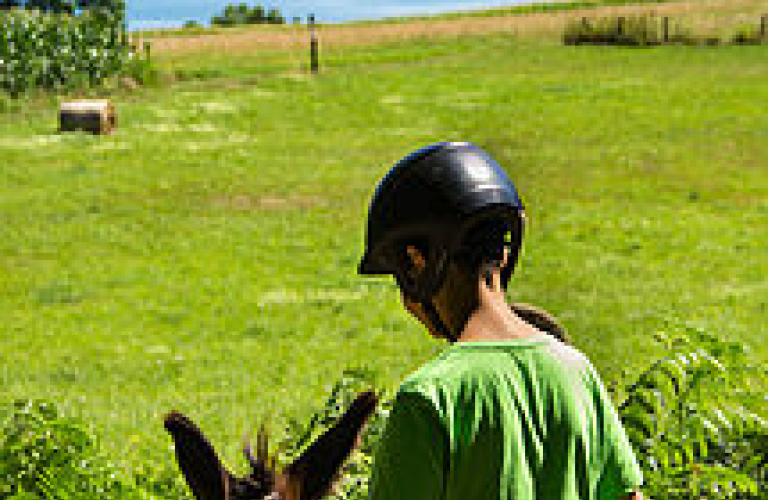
(665, 29)
(313, 46)
(620, 25)
(764, 26)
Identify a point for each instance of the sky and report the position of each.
(158, 13)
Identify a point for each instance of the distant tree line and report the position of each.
(243, 14)
(63, 6)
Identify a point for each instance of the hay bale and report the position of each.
(95, 116)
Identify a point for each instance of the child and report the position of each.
(506, 411)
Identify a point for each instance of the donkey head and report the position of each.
(309, 477)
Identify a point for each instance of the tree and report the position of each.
(257, 15)
(241, 14)
(110, 5)
(55, 6)
(275, 17)
(9, 4)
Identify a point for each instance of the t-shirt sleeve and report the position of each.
(409, 461)
(621, 474)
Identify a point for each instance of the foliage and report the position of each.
(749, 35)
(632, 31)
(58, 51)
(647, 30)
(692, 418)
(46, 456)
(64, 6)
(353, 483)
(57, 6)
(234, 15)
(43, 455)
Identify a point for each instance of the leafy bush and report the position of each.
(645, 31)
(42, 453)
(630, 31)
(748, 35)
(54, 51)
(234, 15)
(45, 456)
(353, 484)
(64, 6)
(693, 419)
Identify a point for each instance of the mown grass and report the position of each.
(203, 257)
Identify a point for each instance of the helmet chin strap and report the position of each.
(437, 322)
(427, 288)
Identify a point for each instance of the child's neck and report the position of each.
(494, 320)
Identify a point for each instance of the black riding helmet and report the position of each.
(434, 198)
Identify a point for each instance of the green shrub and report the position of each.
(629, 31)
(647, 30)
(46, 456)
(748, 35)
(60, 51)
(353, 483)
(694, 418)
(43, 455)
(679, 35)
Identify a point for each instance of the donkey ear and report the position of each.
(202, 469)
(313, 473)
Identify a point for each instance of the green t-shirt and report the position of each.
(527, 419)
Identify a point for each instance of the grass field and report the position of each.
(203, 257)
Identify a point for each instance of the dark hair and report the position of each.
(480, 253)
(481, 250)
(483, 247)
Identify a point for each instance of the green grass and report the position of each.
(203, 257)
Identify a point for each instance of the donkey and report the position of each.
(309, 477)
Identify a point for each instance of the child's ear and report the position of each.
(417, 260)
